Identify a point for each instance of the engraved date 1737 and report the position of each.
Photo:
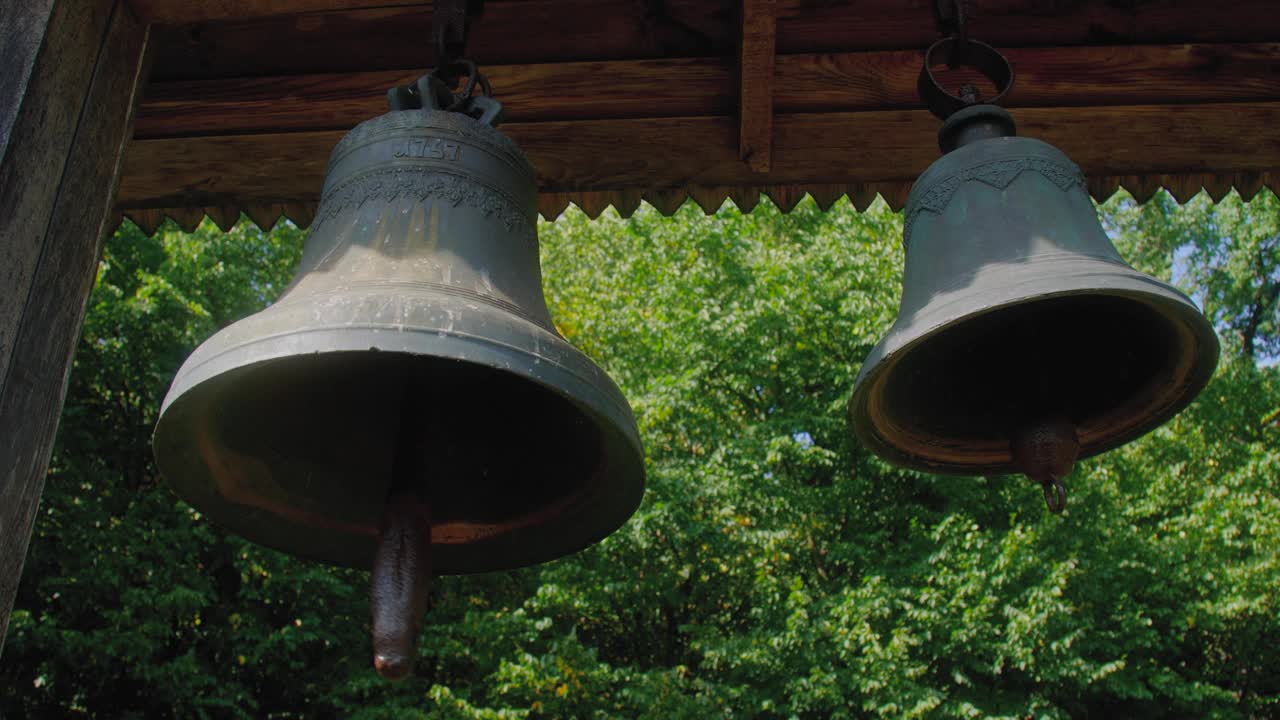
(430, 148)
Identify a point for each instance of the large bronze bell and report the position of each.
(1023, 338)
(411, 366)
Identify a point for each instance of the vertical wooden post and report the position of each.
(72, 72)
(755, 83)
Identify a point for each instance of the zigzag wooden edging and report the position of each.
(710, 200)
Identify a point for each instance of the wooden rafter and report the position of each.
(844, 82)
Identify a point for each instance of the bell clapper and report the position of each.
(401, 582)
(1055, 495)
(401, 577)
(1045, 451)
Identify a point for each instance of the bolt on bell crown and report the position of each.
(418, 295)
(1017, 308)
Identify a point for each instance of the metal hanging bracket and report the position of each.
(951, 17)
(977, 55)
(969, 117)
(450, 22)
(433, 92)
(450, 25)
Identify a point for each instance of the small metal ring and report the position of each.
(969, 53)
(447, 75)
(457, 67)
(473, 77)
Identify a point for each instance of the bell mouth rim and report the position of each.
(602, 505)
(380, 337)
(1192, 374)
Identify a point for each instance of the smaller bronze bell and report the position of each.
(1023, 338)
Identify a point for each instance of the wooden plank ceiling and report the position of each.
(618, 101)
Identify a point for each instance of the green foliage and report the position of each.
(1226, 255)
(774, 570)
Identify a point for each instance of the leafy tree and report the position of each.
(775, 568)
(1227, 255)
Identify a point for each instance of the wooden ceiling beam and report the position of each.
(755, 83)
(554, 91)
(509, 32)
(1070, 76)
(1045, 76)
(391, 37)
(677, 153)
(181, 12)
(825, 26)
